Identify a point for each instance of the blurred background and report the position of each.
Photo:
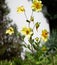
(51, 13)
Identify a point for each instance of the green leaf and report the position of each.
(28, 21)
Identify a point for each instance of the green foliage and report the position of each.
(18, 61)
(52, 42)
(45, 55)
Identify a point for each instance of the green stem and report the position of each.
(45, 60)
(53, 62)
(22, 40)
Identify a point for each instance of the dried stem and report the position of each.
(25, 16)
(27, 19)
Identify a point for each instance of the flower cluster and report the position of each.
(36, 6)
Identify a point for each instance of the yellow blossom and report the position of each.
(37, 25)
(20, 9)
(10, 31)
(32, 18)
(44, 35)
(44, 48)
(26, 31)
(37, 39)
(37, 5)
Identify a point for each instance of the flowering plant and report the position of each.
(27, 31)
(36, 6)
(11, 42)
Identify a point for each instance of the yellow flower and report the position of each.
(37, 39)
(20, 9)
(37, 5)
(32, 18)
(44, 48)
(26, 31)
(10, 31)
(37, 25)
(44, 35)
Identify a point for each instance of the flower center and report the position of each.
(27, 32)
(45, 35)
(22, 9)
(11, 30)
(37, 5)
